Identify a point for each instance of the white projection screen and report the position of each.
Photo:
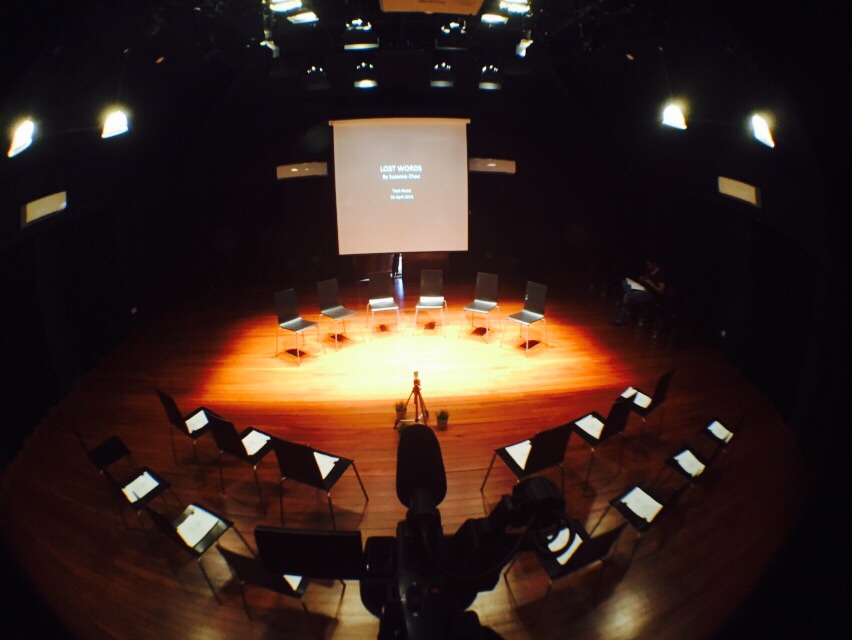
(401, 185)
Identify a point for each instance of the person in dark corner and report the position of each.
(396, 265)
(649, 287)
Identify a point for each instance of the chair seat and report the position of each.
(338, 313)
(298, 325)
(220, 526)
(525, 317)
(383, 304)
(480, 306)
(430, 302)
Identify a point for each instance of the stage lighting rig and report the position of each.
(428, 580)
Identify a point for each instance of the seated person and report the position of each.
(649, 287)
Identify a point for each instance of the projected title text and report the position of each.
(401, 172)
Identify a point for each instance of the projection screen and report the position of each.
(401, 185)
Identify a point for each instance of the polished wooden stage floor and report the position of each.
(687, 578)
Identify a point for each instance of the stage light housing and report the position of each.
(284, 6)
(305, 17)
(515, 7)
(315, 79)
(22, 137)
(673, 116)
(359, 36)
(365, 76)
(490, 78)
(761, 130)
(493, 19)
(443, 76)
(523, 45)
(453, 37)
(115, 124)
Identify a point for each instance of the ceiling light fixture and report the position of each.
(305, 17)
(443, 76)
(490, 79)
(761, 131)
(673, 116)
(493, 18)
(115, 124)
(284, 6)
(22, 137)
(365, 77)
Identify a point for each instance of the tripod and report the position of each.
(420, 410)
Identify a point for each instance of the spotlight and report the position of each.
(284, 6)
(494, 18)
(22, 137)
(490, 79)
(443, 76)
(453, 37)
(305, 17)
(673, 116)
(115, 124)
(762, 132)
(359, 36)
(515, 7)
(365, 77)
(315, 79)
(523, 45)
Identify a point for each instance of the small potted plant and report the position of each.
(443, 417)
(399, 405)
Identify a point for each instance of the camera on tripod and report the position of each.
(421, 582)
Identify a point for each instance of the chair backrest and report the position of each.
(547, 448)
(251, 571)
(616, 421)
(286, 305)
(431, 283)
(328, 293)
(486, 287)
(226, 437)
(172, 412)
(593, 550)
(535, 297)
(662, 388)
(297, 462)
(380, 285)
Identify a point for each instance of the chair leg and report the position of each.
(588, 471)
(546, 338)
(243, 539)
(488, 473)
(414, 331)
(221, 477)
(277, 331)
(503, 333)
(245, 602)
(509, 568)
(298, 353)
(320, 341)
(331, 510)
(598, 523)
(281, 498)
(562, 474)
(358, 475)
(207, 578)
(527, 343)
(543, 602)
(259, 494)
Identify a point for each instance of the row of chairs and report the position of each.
(382, 299)
(546, 449)
(567, 547)
(297, 462)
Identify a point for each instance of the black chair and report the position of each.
(287, 307)
(642, 506)
(688, 463)
(312, 467)
(431, 294)
(251, 571)
(192, 425)
(250, 446)
(380, 290)
(594, 429)
(535, 297)
(644, 405)
(138, 490)
(194, 530)
(720, 435)
(566, 549)
(106, 454)
(544, 450)
(484, 299)
(328, 292)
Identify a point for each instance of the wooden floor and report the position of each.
(689, 575)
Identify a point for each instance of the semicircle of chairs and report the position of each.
(287, 559)
(381, 299)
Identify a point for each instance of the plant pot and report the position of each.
(400, 414)
(442, 424)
